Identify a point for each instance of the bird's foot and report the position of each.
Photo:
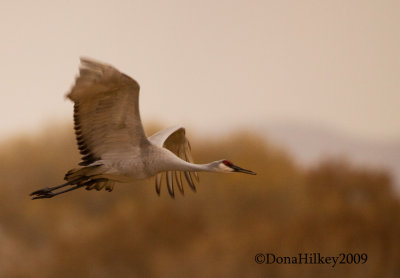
(43, 196)
(42, 193)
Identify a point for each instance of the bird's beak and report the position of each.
(241, 170)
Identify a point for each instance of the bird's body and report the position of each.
(113, 143)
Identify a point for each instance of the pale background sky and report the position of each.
(210, 65)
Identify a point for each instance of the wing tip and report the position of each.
(96, 76)
(94, 65)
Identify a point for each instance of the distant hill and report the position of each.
(310, 144)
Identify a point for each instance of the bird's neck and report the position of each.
(182, 165)
(174, 163)
(208, 167)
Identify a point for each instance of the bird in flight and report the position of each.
(113, 144)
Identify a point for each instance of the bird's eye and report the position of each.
(227, 163)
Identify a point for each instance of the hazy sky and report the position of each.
(210, 64)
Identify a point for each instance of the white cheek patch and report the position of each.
(225, 168)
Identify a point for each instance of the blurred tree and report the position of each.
(131, 232)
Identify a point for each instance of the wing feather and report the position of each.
(179, 181)
(170, 184)
(106, 112)
(174, 139)
(158, 183)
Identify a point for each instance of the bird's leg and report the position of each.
(50, 194)
(47, 190)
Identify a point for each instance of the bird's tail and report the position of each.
(86, 176)
(79, 177)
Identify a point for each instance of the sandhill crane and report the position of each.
(112, 141)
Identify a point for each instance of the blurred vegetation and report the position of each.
(333, 208)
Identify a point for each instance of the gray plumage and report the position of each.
(112, 141)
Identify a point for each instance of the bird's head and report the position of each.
(228, 167)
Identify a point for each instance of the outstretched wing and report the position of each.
(106, 112)
(174, 139)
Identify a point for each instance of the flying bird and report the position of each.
(113, 144)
